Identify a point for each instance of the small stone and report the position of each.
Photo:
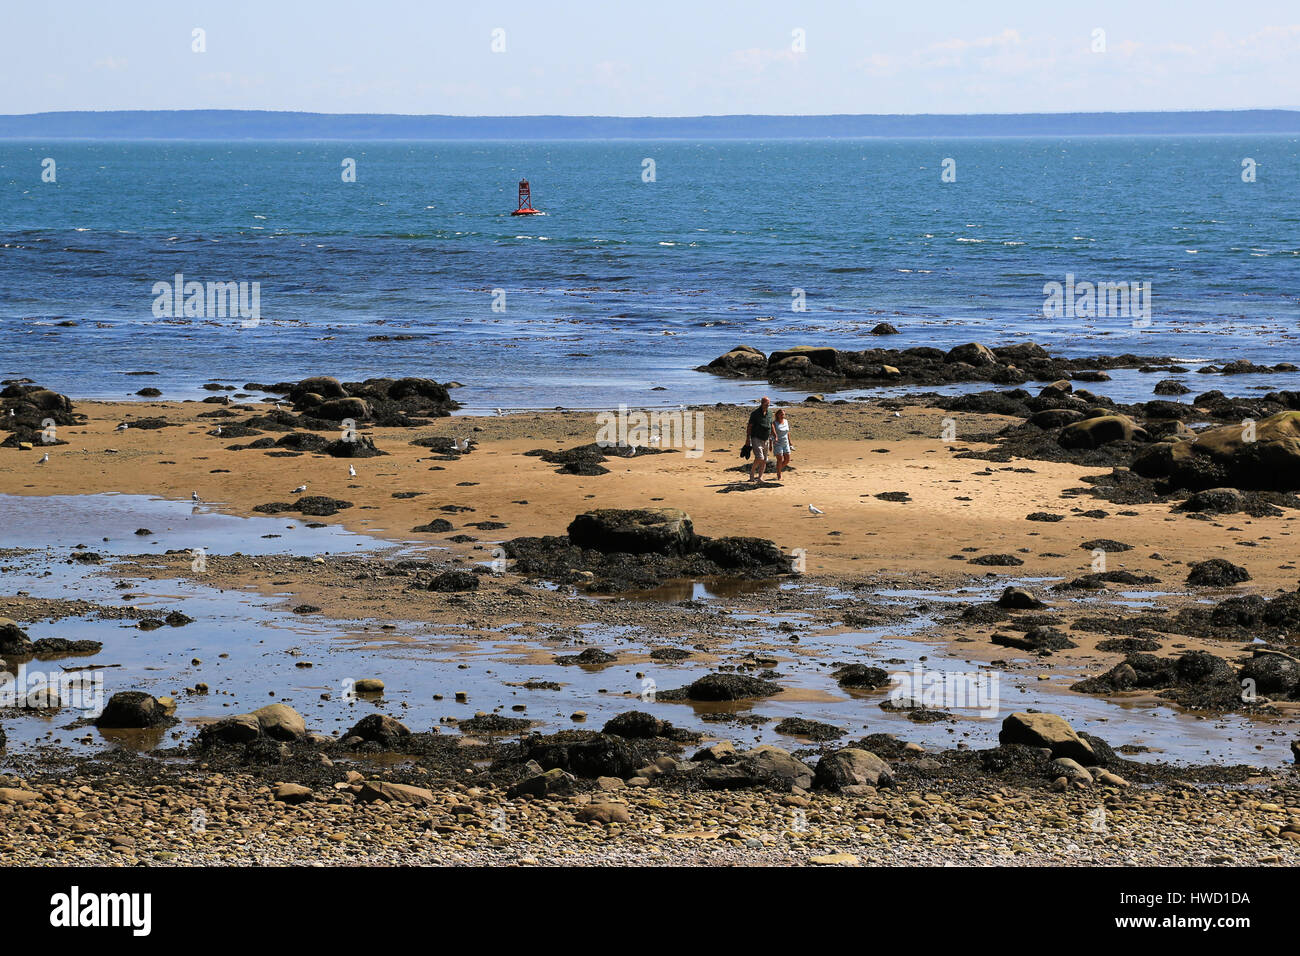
(835, 859)
(291, 793)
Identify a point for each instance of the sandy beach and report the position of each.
(919, 546)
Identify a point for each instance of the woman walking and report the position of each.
(781, 446)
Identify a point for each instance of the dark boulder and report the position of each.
(132, 709)
(380, 729)
(1216, 573)
(584, 754)
(636, 531)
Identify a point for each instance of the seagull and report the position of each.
(654, 441)
(194, 496)
(352, 472)
(461, 444)
(11, 413)
(898, 414)
(815, 510)
(122, 427)
(300, 489)
(218, 429)
(44, 458)
(498, 412)
(632, 450)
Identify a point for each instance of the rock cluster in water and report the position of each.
(826, 367)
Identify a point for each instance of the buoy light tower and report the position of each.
(525, 201)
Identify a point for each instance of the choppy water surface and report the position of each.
(626, 285)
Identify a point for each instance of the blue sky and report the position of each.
(653, 58)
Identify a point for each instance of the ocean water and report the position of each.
(624, 286)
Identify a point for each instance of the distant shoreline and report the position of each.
(266, 125)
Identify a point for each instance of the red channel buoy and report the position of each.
(525, 201)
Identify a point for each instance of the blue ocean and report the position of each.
(652, 258)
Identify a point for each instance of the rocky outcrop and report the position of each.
(614, 550)
(402, 403)
(667, 531)
(1196, 679)
(25, 410)
(584, 754)
(1262, 456)
(1216, 573)
(972, 362)
(274, 721)
(1101, 430)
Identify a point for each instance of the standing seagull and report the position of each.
(122, 427)
(44, 458)
(352, 472)
(300, 489)
(815, 510)
(194, 496)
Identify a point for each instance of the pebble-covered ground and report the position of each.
(206, 818)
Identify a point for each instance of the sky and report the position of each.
(650, 57)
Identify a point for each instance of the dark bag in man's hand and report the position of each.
(745, 451)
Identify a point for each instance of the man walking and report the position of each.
(758, 433)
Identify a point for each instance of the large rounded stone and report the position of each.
(852, 766)
(1050, 731)
(280, 722)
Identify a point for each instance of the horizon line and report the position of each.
(649, 116)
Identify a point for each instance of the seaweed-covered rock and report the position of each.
(729, 687)
(1275, 675)
(860, 675)
(1216, 573)
(14, 641)
(584, 754)
(379, 728)
(764, 766)
(387, 402)
(635, 531)
(133, 709)
(457, 579)
(971, 362)
(615, 550)
(1101, 430)
(1263, 455)
(1040, 639)
(636, 724)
